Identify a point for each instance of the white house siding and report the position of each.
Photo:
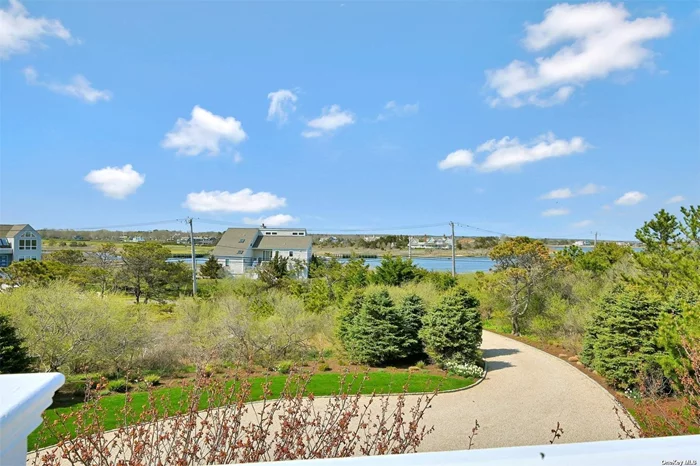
(18, 254)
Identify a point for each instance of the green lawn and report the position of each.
(171, 399)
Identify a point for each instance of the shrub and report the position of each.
(620, 341)
(411, 311)
(323, 367)
(152, 379)
(452, 329)
(284, 367)
(373, 333)
(464, 369)
(118, 386)
(14, 357)
(395, 271)
(420, 364)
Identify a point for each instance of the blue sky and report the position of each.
(337, 116)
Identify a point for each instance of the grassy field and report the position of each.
(93, 245)
(171, 399)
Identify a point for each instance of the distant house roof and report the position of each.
(283, 242)
(9, 231)
(235, 240)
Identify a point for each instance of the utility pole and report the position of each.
(409, 247)
(454, 271)
(194, 262)
(595, 239)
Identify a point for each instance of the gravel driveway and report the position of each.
(525, 393)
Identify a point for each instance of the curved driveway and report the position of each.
(525, 394)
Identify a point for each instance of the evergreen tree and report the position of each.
(14, 357)
(452, 329)
(412, 311)
(620, 341)
(373, 334)
(212, 269)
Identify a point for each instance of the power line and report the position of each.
(464, 225)
(410, 227)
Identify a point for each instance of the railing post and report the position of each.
(23, 398)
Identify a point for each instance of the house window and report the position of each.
(295, 233)
(274, 232)
(33, 244)
(239, 252)
(291, 254)
(21, 259)
(21, 244)
(226, 261)
(267, 232)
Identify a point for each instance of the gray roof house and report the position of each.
(241, 250)
(19, 243)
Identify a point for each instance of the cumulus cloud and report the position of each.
(458, 158)
(331, 119)
(555, 212)
(116, 182)
(631, 198)
(281, 105)
(582, 224)
(675, 200)
(594, 40)
(19, 31)
(79, 87)
(509, 153)
(565, 193)
(392, 109)
(203, 132)
(277, 220)
(244, 200)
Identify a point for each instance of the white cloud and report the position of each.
(594, 39)
(509, 153)
(675, 200)
(393, 109)
(204, 132)
(244, 200)
(331, 119)
(631, 198)
(582, 223)
(458, 158)
(277, 220)
(79, 87)
(19, 31)
(563, 193)
(281, 105)
(590, 188)
(237, 157)
(116, 182)
(555, 212)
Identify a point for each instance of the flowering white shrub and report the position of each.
(464, 369)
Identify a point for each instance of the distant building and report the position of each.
(137, 239)
(201, 240)
(241, 250)
(19, 243)
(439, 242)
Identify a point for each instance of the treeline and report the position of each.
(116, 236)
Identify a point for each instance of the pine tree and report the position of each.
(212, 269)
(14, 357)
(452, 330)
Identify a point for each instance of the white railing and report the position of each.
(23, 397)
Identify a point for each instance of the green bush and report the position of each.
(373, 331)
(620, 342)
(119, 386)
(452, 329)
(411, 311)
(284, 367)
(323, 367)
(14, 357)
(152, 380)
(420, 364)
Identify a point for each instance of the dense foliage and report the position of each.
(14, 357)
(452, 329)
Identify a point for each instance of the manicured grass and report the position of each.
(171, 399)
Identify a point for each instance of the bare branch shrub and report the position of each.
(214, 424)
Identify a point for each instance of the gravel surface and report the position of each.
(525, 394)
